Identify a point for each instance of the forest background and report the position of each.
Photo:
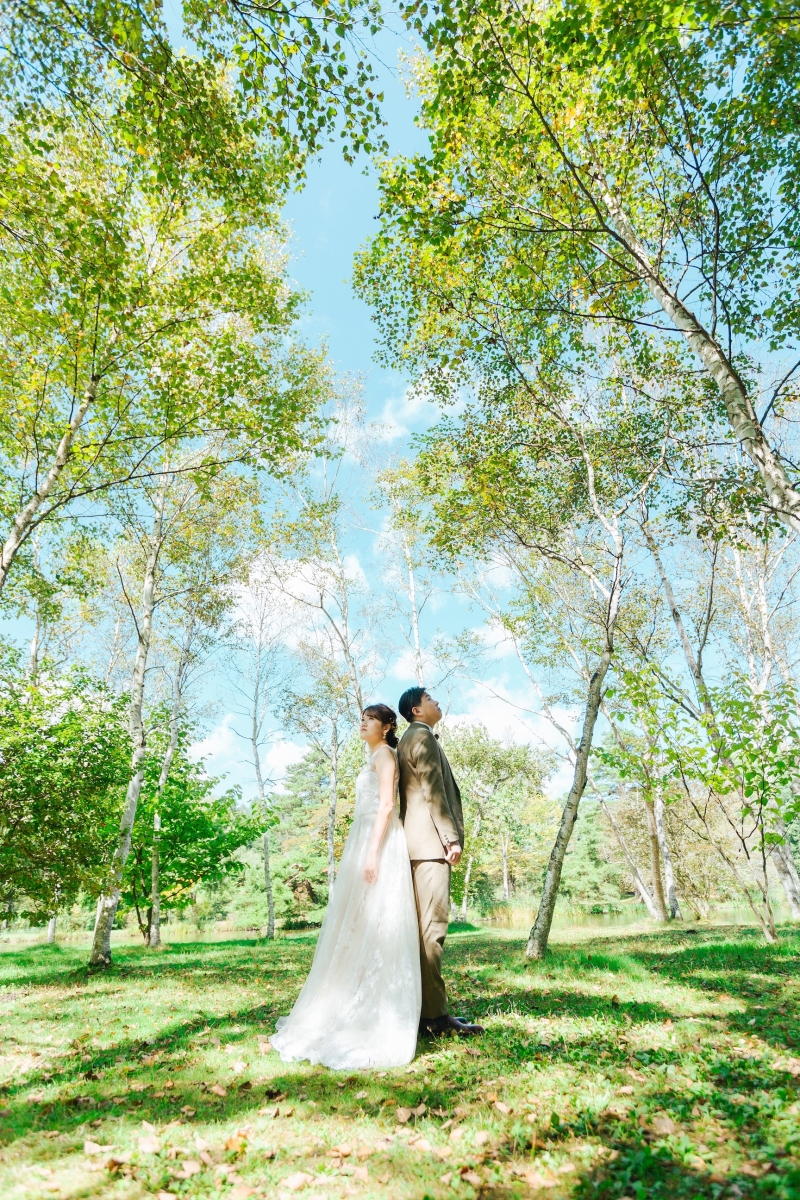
(218, 544)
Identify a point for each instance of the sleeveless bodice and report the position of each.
(367, 798)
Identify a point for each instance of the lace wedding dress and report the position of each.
(360, 1005)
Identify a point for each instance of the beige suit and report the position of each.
(430, 809)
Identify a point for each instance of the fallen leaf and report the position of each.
(189, 1112)
(502, 1108)
(481, 1137)
(403, 1116)
(167, 1196)
(456, 1134)
(535, 1180)
(297, 1181)
(90, 1147)
(361, 1173)
(236, 1144)
(287, 1112)
(149, 1145)
(445, 1179)
(190, 1167)
(636, 1075)
(471, 1177)
(626, 1090)
(136, 1086)
(148, 1128)
(443, 1151)
(206, 1158)
(239, 1067)
(422, 1144)
(218, 1089)
(343, 1150)
(384, 1179)
(663, 1125)
(420, 1110)
(269, 1111)
(169, 1083)
(565, 1168)
(240, 1192)
(361, 1095)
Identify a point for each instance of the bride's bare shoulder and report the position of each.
(383, 756)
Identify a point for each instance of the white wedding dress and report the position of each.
(360, 1005)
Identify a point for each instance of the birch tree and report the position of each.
(134, 314)
(599, 170)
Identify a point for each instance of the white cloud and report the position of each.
(401, 414)
(506, 713)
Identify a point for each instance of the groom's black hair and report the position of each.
(410, 700)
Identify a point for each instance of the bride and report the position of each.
(360, 1005)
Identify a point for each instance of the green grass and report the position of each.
(645, 1064)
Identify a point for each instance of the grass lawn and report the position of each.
(633, 1064)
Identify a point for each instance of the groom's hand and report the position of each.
(453, 854)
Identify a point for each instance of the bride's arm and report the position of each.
(385, 767)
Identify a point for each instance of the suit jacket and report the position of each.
(430, 802)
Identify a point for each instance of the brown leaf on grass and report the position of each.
(364, 1152)
(627, 1089)
(190, 1167)
(188, 1111)
(169, 1083)
(287, 1112)
(422, 1144)
(148, 1128)
(167, 1196)
(637, 1075)
(362, 1174)
(403, 1116)
(472, 1050)
(384, 1179)
(298, 1180)
(481, 1137)
(503, 1108)
(663, 1125)
(240, 1192)
(218, 1089)
(420, 1110)
(136, 1086)
(754, 1169)
(205, 1157)
(445, 1179)
(236, 1144)
(270, 1111)
(239, 1067)
(456, 1134)
(470, 1176)
(150, 1060)
(343, 1150)
(360, 1096)
(535, 1180)
(149, 1145)
(443, 1151)
(90, 1147)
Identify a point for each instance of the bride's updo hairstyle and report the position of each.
(386, 716)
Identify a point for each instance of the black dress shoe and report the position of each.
(431, 1026)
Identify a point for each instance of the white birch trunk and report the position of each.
(412, 599)
(505, 839)
(154, 932)
(332, 811)
(666, 858)
(23, 522)
(783, 498)
(465, 895)
(51, 930)
(101, 946)
(638, 882)
(540, 932)
(655, 861)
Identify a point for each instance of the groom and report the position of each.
(430, 809)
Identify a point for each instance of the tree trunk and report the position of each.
(23, 522)
(154, 926)
(101, 946)
(465, 895)
(783, 860)
(655, 862)
(505, 838)
(412, 596)
(332, 811)
(51, 930)
(268, 888)
(540, 932)
(783, 498)
(254, 739)
(666, 858)
(154, 936)
(640, 885)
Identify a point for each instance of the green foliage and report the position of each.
(627, 1060)
(64, 755)
(591, 880)
(200, 832)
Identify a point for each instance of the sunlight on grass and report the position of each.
(649, 1064)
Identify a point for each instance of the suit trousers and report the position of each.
(432, 894)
